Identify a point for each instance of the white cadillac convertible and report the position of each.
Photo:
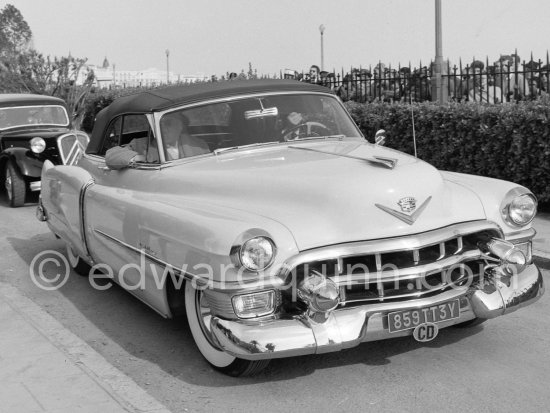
(260, 211)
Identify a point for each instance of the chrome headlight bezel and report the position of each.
(38, 145)
(512, 211)
(255, 254)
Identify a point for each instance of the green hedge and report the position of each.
(510, 142)
(98, 99)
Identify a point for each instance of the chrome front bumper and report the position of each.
(348, 327)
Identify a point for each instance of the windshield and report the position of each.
(12, 117)
(254, 120)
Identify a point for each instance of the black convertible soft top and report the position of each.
(161, 99)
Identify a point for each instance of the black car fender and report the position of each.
(24, 160)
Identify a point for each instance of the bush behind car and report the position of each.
(510, 142)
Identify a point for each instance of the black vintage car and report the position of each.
(34, 128)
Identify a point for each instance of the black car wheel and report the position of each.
(198, 317)
(16, 187)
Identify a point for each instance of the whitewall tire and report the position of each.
(198, 317)
(80, 266)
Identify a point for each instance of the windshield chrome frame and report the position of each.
(158, 115)
(65, 125)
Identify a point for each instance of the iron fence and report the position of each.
(507, 80)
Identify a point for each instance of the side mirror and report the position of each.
(380, 137)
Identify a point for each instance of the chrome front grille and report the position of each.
(409, 287)
(71, 147)
(400, 268)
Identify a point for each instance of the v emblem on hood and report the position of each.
(409, 219)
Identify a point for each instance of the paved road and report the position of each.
(501, 366)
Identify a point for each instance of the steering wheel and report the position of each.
(304, 129)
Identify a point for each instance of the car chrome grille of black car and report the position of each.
(71, 147)
(435, 262)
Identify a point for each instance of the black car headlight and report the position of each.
(38, 145)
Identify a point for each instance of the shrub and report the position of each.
(510, 142)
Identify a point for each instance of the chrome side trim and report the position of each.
(228, 286)
(145, 254)
(82, 209)
(387, 245)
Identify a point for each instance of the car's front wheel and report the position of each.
(15, 185)
(198, 317)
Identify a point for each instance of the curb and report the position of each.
(122, 388)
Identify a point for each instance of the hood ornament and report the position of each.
(408, 205)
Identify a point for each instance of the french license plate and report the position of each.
(409, 319)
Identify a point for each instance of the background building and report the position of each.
(109, 76)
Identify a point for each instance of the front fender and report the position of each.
(28, 165)
(491, 192)
(63, 189)
(191, 236)
(210, 233)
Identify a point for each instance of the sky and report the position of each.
(219, 36)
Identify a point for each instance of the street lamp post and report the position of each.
(322, 30)
(167, 66)
(439, 89)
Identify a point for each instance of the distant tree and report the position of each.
(25, 70)
(15, 33)
(252, 73)
(242, 75)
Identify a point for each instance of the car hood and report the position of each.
(326, 199)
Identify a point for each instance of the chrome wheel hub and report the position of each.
(8, 185)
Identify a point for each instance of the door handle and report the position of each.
(103, 168)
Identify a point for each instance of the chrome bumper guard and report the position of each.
(348, 327)
(35, 186)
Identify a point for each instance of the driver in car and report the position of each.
(290, 129)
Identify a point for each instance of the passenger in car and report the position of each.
(138, 150)
(178, 143)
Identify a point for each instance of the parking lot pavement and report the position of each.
(541, 243)
(46, 368)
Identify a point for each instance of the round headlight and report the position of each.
(522, 209)
(257, 253)
(38, 145)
